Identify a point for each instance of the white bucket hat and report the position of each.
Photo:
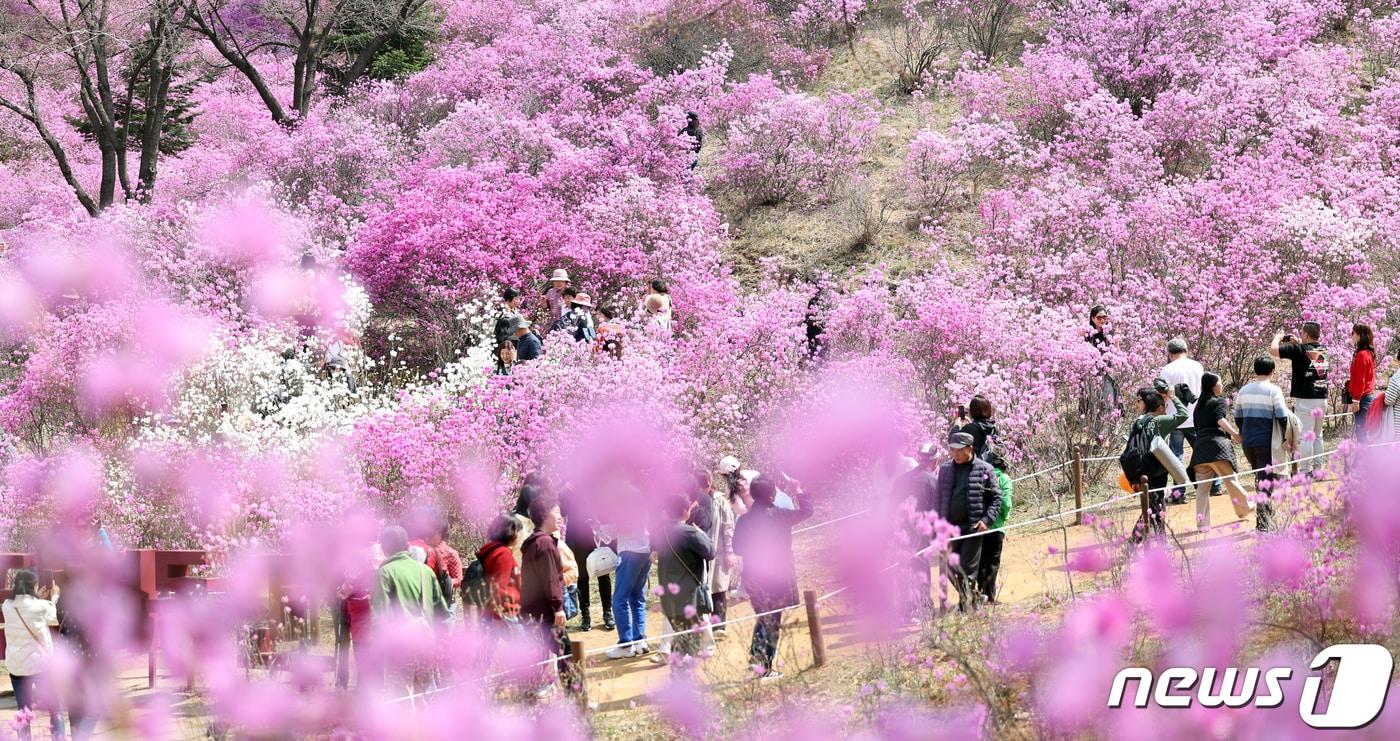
(728, 464)
(560, 274)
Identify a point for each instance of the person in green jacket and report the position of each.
(990, 564)
(405, 591)
(1150, 403)
(403, 585)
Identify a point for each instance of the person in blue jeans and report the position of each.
(629, 598)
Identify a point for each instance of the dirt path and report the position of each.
(1029, 571)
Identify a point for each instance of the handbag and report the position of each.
(701, 596)
(602, 561)
(570, 602)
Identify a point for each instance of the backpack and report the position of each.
(1137, 458)
(476, 592)
(449, 595)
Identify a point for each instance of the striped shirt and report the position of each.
(1258, 406)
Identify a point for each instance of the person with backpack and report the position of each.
(976, 420)
(491, 584)
(1214, 454)
(990, 563)
(1308, 388)
(1138, 460)
(449, 568)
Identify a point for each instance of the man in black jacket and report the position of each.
(763, 536)
(968, 497)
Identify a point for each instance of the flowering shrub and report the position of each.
(794, 148)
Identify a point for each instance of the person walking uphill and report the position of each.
(29, 644)
(1214, 455)
(682, 550)
(1308, 388)
(763, 537)
(1137, 458)
(969, 497)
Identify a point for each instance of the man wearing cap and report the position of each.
(527, 345)
(1183, 369)
(967, 496)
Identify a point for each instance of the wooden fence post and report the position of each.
(1078, 486)
(578, 680)
(814, 627)
(942, 584)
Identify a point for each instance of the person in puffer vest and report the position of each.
(968, 496)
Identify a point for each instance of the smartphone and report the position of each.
(962, 411)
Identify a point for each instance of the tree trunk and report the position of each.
(157, 92)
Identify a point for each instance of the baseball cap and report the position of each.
(928, 450)
(959, 440)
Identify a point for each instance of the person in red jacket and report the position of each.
(1361, 385)
(502, 574)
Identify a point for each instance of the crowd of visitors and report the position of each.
(516, 338)
(730, 535)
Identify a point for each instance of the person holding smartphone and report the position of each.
(1308, 388)
(29, 644)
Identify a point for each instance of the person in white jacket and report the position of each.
(28, 643)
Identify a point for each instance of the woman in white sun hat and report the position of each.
(554, 294)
